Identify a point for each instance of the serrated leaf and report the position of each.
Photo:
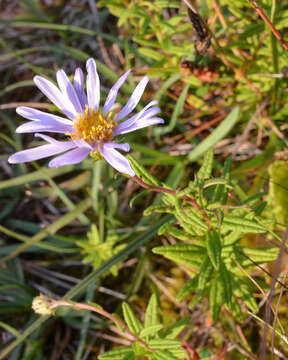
(175, 329)
(164, 344)
(151, 316)
(131, 320)
(192, 217)
(186, 254)
(221, 191)
(206, 169)
(241, 224)
(163, 355)
(150, 330)
(158, 209)
(216, 181)
(177, 233)
(205, 273)
(235, 309)
(141, 172)
(225, 278)
(243, 291)
(215, 299)
(188, 288)
(248, 256)
(129, 356)
(116, 354)
(214, 248)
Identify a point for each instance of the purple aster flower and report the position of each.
(91, 128)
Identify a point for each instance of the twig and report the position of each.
(263, 345)
(276, 33)
(276, 314)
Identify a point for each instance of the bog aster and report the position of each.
(91, 129)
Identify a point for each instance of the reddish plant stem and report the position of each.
(276, 33)
(185, 198)
(102, 312)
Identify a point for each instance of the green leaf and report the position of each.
(188, 288)
(248, 256)
(116, 354)
(205, 273)
(243, 290)
(142, 172)
(216, 299)
(206, 169)
(225, 278)
(241, 224)
(151, 316)
(218, 134)
(213, 244)
(163, 355)
(221, 191)
(131, 320)
(152, 54)
(164, 344)
(150, 330)
(176, 113)
(129, 356)
(235, 309)
(186, 254)
(175, 328)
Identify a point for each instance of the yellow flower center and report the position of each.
(93, 126)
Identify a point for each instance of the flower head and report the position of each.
(91, 129)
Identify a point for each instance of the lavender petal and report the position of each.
(140, 125)
(113, 92)
(71, 157)
(144, 113)
(56, 96)
(116, 160)
(42, 122)
(37, 153)
(134, 99)
(93, 84)
(113, 145)
(79, 87)
(68, 90)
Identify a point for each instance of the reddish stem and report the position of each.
(186, 198)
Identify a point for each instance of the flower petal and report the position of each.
(116, 160)
(144, 113)
(56, 96)
(134, 99)
(113, 92)
(36, 115)
(113, 145)
(79, 87)
(93, 84)
(68, 90)
(38, 152)
(71, 157)
(42, 122)
(141, 124)
(65, 145)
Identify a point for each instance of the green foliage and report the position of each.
(210, 238)
(157, 342)
(96, 251)
(278, 199)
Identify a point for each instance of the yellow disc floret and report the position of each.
(93, 126)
